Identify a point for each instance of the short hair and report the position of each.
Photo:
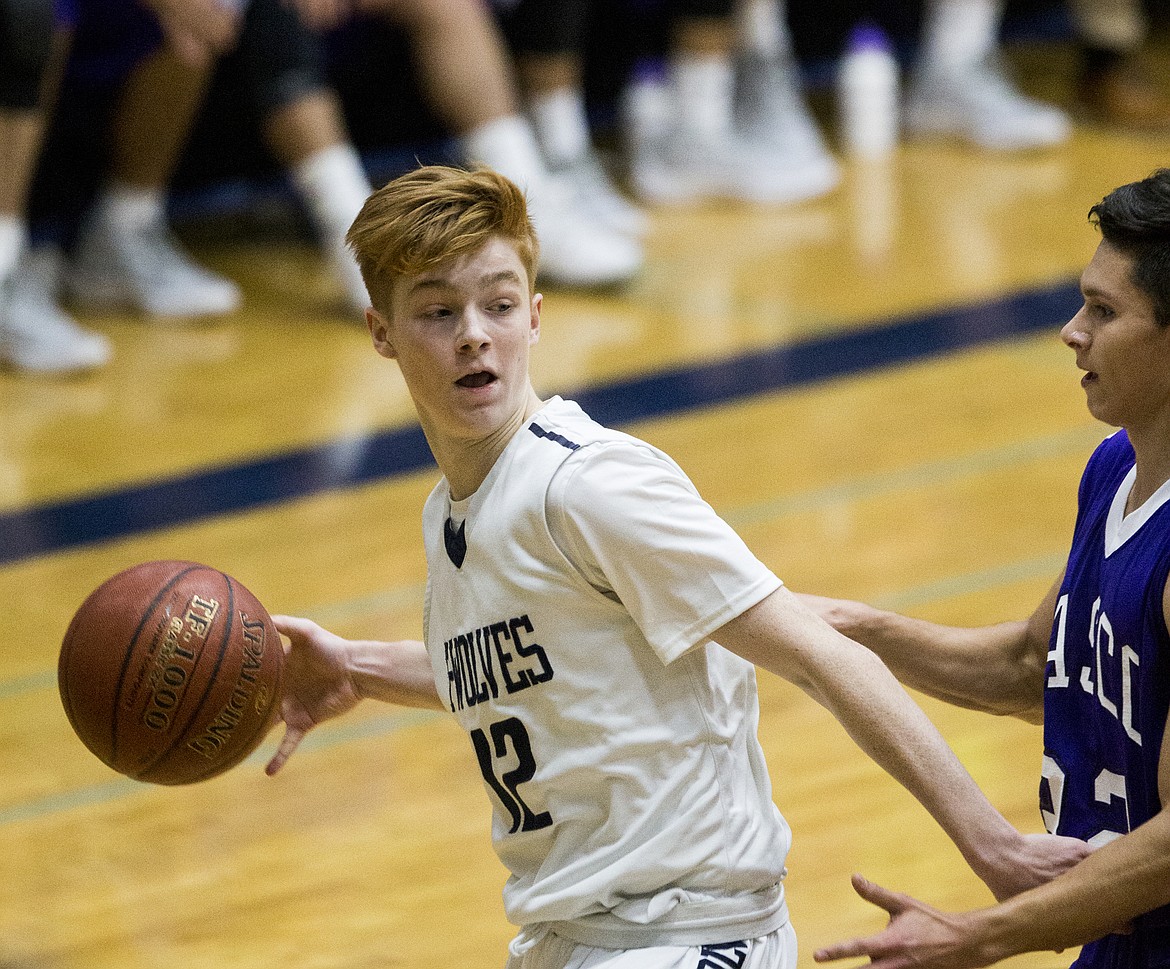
(434, 214)
(1135, 219)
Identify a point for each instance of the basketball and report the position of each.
(170, 672)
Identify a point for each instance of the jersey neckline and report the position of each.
(1120, 527)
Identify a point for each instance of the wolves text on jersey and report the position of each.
(489, 658)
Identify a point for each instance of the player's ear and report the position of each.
(534, 320)
(379, 328)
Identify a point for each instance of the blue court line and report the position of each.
(55, 526)
(1078, 441)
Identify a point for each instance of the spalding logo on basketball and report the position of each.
(170, 672)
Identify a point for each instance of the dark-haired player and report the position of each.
(1091, 662)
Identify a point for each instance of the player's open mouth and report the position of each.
(479, 379)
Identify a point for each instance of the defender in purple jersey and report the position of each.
(1092, 660)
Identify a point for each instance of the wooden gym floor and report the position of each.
(869, 387)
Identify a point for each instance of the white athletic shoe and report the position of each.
(145, 270)
(576, 247)
(983, 106)
(595, 190)
(36, 335)
(671, 165)
(771, 111)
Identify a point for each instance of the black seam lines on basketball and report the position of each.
(227, 632)
(130, 652)
(243, 749)
(217, 767)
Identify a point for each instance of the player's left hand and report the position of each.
(1035, 860)
(918, 936)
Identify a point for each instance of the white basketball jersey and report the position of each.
(632, 804)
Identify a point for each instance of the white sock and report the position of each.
(507, 145)
(130, 206)
(959, 33)
(13, 239)
(334, 187)
(561, 125)
(762, 27)
(703, 88)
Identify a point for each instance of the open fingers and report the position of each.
(873, 946)
(292, 739)
(295, 627)
(892, 902)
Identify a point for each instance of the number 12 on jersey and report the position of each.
(505, 734)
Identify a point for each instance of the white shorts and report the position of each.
(774, 951)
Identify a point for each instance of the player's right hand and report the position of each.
(1037, 859)
(317, 683)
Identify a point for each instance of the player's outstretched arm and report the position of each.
(784, 636)
(326, 675)
(1125, 878)
(996, 669)
(1103, 894)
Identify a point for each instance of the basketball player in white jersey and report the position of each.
(594, 626)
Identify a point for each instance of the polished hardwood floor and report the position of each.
(934, 477)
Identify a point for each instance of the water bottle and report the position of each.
(868, 81)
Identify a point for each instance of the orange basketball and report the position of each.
(170, 672)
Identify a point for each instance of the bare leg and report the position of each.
(20, 142)
(35, 335)
(309, 137)
(305, 126)
(463, 65)
(21, 132)
(154, 118)
(127, 257)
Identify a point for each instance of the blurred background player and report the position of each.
(465, 72)
(127, 256)
(769, 100)
(684, 141)
(549, 40)
(960, 87)
(32, 45)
